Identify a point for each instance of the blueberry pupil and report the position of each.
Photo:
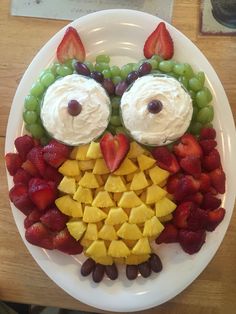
(154, 106)
(74, 107)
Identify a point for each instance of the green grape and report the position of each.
(153, 63)
(101, 66)
(36, 130)
(106, 73)
(136, 66)
(115, 71)
(208, 125)
(195, 128)
(64, 70)
(37, 89)
(211, 115)
(202, 98)
(179, 69)
(172, 74)
(205, 114)
(116, 79)
(30, 117)
(102, 58)
(47, 79)
(201, 77)
(156, 58)
(209, 95)
(115, 102)
(54, 67)
(70, 63)
(166, 66)
(121, 129)
(111, 128)
(43, 73)
(125, 70)
(192, 94)
(115, 111)
(195, 112)
(89, 65)
(184, 81)
(31, 102)
(115, 120)
(188, 70)
(195, 84)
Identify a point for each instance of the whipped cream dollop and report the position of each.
(165, 126)
(89, 123)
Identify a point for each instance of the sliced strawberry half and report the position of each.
(217, 177)
(35, 155)
(210, 202)
(191, 165)
(214, 218)
(187, 185)
(188, 146)
(168, 235)
(29, 167)
(165, 159)
(38, 234)
(207, 134)
(19, 196)
(159, 42)
(191, 241)
(182, 213)
(55, 153)
(33, 217)
(207, 145)
(54, 219)
(172, 182)
(114, 149)
(64, 242)
(13, 162)
(205, 182)
(21, 176)
(211, 161)
(23, 145)
(71, 46)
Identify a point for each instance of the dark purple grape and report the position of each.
(132, 76)
(87, 267)
(131, 272)
(109, 86)
(74, 107)
(98, 273)
(111, 271)
(155, 106)
(81, 68)
(144, 69)
(121, 88)
(155, 263)
(97, 76)
(145, 269)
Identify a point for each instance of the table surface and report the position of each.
(21, 280)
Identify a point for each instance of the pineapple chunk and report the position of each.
(140, 214)
(69, 168)
(129, 231)
(103, 199)
(83, 195)
(76, 228)
(145, 162)
(135, 150)
(115, 184)
(74, 153)
(81, 153)
(101, 188)
(152, 227)
(164, 207)
(67, 185)
(165, 218)
(116, 216)
(85, 243)
(118, 248)
(86, 164)
(94, 151)
(129, 200)
(158, 175)
(107, 232)
(117, 196)
(91, 232)
(139, 181)
(104, 260)
(154, 194)
(136, 259)
(97, 249)
(125, 168)
(89, 181)
(66, 205)
(93, 214)
(141, 247)
(100, 167)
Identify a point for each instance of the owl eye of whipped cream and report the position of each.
(164, 127)
(82, 128)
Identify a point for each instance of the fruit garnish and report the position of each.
(192, 241)
(35, 155)
(65, 243)
(13, 162)
(154, 106)
(212, 160)
(210, 202)
(186, 185)
(55, 153)
(54, 219)
(71, 46)
(32, 217)
(159, 42)
(207, 134)
(40, 235)
(217, 177)
(165, 159)
(207, 145)
(23, 145)
(214, 218)
(74, 107)
(182, 213)
(21, 176)
(114, 149)
(188, 146)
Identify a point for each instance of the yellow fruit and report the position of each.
(83, 195)
(66, 205)
(103, 199)
(129, 200)
(139, 181)
(94, 151)
(165, 218)
(74, 153)
(116, 216)
(70, 168)
(152, 227)
(97, 249)
(118, 248)
(142, 247)
(89, 181)
(164, 207)
(145, 162)
(154, 194)
(101, 188)
(76, 228)
(107, 232)
(100, 167)
(86, 164)
(91, 232)
(125, 168)
(104, 260)
(129, 231)
(67, 185)
(114, 184)
(140, 214)
(93, 214)
(85, 243)
(158, 175)
(135, 150)
(136, 259)
(81, 153)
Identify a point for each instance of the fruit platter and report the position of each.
(119, 162)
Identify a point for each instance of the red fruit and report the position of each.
(13, 162)
(42, 193)
(30, 168)
(214, 218)
(71, 46)
(207, 134)
(212, 160)
(187, 185)
(217, 177)
(159, 42)
(182, 213)
(21, 176)
(52, 174)
(210, 202)
(54, 219)
(191, 165)
(168, 235)
(197, 219)
(207, 145)
(165, 159)
(18, 195)
(114, 149)
(188, 146)
(195, 198)
(36, 157)
(64, 242)
(172, 182)
(55, 153)
(23, 145)
(205, 182)
(38, 234)
(191, 241)
(33, 217)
